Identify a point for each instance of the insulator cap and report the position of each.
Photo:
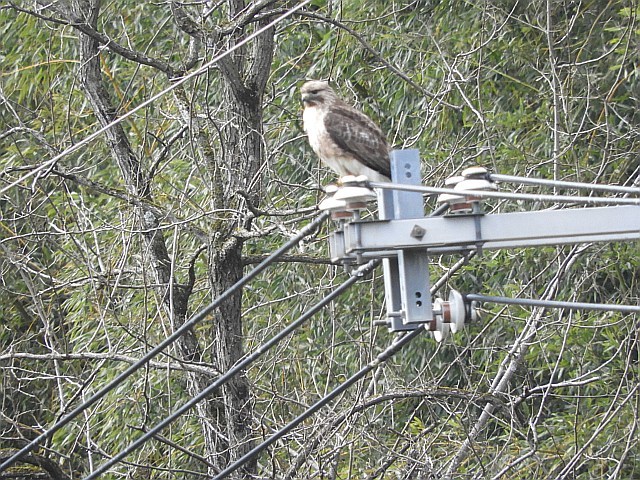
(472, 178)
(351, 194)
(474, 172)
(332, 204)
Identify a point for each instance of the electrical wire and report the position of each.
(391, 350)
(506, 195)
(401, 341)
(467, 256)
(563, 184)
(380, 358)
(238, 367)
(553, 303)
(246, 361)
(155, 97)
(189, 324)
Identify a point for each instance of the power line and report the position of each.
(381, 358)
(238, 367)
(398, 344)
(561, 183)
(553, 303)
(396, 347)
(201, 315)
(174, 85)
(245, 362)
(506, 195)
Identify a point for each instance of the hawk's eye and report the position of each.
(314, 92)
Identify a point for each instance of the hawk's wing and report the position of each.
(357, 134)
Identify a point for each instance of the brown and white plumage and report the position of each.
(344, 138)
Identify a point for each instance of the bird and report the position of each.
(344, 138)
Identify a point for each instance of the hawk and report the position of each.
(344, 138)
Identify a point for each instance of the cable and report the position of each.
(242, 364)
(381, 358)
(553, 303)
(177, 83)
(506, 195)
(558, 183)
(467, 256)
(307, 230)
(239, 366)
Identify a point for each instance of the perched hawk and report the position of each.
(345, 139)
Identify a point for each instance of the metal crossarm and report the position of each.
(495, 231)
(404, 238)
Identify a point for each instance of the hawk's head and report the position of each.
(316, 92)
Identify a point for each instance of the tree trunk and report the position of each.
(244, 156)
(226, 421)
(175, 296)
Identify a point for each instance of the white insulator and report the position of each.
(355, 194)
(332, 204)
(347, 179)
(331, 189)
(451, 198)
(361, 179)
(350, 193)
(442, 330)
(474, 172)
(464, 203)
(338, 208)
(452, 181)
(457, 311)
(472, 178)
(475, 184)
(438, 327)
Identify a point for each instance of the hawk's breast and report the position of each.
(313, 119)
(346, 140)
(313, 122)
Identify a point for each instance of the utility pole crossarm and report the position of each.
(405, 239)
(493, 231)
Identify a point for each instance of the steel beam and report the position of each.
(493, 231)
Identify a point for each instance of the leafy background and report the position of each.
(541, 89)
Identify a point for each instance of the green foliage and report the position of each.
(464, 82)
